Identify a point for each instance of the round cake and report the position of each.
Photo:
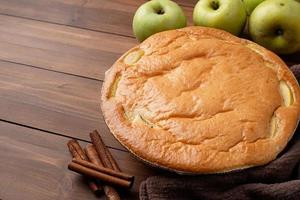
(200, 100)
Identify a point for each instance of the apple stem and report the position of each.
(214, 5)
(160, 11)
(279, 31)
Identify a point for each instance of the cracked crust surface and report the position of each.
(201, 100)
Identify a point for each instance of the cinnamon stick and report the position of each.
(92, 154)
(104, 170)
(99, 175)
(100, 148)
(72, 150)
(103, 153)
(76, 150)
(110, 192)
(78, 153)
(113, 162)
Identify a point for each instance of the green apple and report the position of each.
(156, 16)
(251, 4)
(275, 24)
(229, 15)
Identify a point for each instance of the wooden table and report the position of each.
(53, 55)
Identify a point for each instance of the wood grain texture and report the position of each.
(34, 166)
(60, 48)
(113, 16)
(64, 49)
(52, 101)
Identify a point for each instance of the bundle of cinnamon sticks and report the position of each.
(99, 167)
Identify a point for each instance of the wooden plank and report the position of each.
(113, 16)
(65, 49)
(34, 166)
(52, 101)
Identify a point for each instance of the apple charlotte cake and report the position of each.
(200, 100)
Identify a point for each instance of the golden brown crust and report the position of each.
(201, 100)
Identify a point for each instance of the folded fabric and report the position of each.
(296, 71)
(278, 180)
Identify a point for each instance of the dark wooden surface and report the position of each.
(53, 55)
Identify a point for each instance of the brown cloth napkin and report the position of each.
(278, 180)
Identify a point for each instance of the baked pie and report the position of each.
(200, 100)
